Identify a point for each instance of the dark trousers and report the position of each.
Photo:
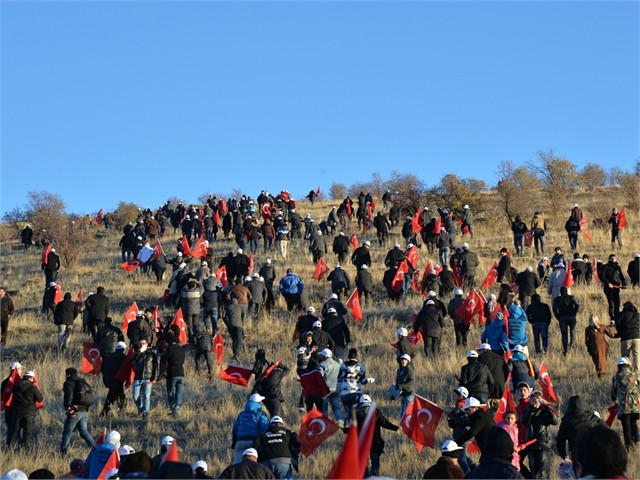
(24, 424)
(208, 358)
(4, 328)
(314, 401)
(431, 346)
(630, 428)
(540, 463)
(114, 395)
(293, 301)
(462, 331)
(237, 334)
(613, 298)
(568, 332)
(272, 405)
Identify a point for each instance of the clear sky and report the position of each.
(142, 101)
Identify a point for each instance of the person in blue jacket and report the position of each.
(100, 454)
(291, 288)
(495, 334)
(517, 325)
(249, 425)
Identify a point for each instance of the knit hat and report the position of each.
(498, 443)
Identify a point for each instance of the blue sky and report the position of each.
(142, 101)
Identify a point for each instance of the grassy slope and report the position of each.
(203, 429)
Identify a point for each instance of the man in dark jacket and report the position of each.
(468, 266)
(141, 328)
(565, 309)
(476, 377)
(268, 273)
(25, 397)
(377, 445)
(235, 326)
(278, 448)
(340, 281)
(51, 267)
(145, 368)
(211, 303)
(172, 367)
(519, 228)
(364, 284)
(191, 296)
(341, 247)
(504, 267)
(334, 324)
(430, 321)
(480, 422)
(6, 312)
(460, 327)
(240, 265)
(66, 312)
(77, 410)
(108, 337)
(110, 365)
(382, 226)
(539, 315)
(49, 302)
(633, 270)
(248, 467)
(98, 306)
(269, 385)
(628, 327)
(498, 368)
(538, 417)
(575, 419)
(613, 280)
(258, 291)
(447, 465)
(362, 255)
(496, 456)
(527, 281)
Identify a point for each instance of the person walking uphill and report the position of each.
(628, 326)
(625, 392)
(596, 344)
(249, 425)
(291, 288)
(145, 368)
(23, 412)
(6, 312)
(66, 312)
(78, 399)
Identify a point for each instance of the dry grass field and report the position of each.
(203, 429)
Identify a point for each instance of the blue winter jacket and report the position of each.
(517, 326)
(251, 422)
(97, 459)
(495, 335)
(291, 285)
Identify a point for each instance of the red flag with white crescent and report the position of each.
(236, 374)
(132, 264)
(91, 358)
(568, 278)
(491, 277)
(200, 249)
(412, 257)
(129, 316)
(217, 347)
(186, 248)
(416, 222)
(622, 219)
(398, 278)
(221, 274)
(506, 404)
(45, 254)
(353, 240)
(437, 226)
(414, 338)
(420, 422)
(251, 264)
(583, 229)
(315, 428)
(7, 393)
(457, 274)
(125, 373)
(546, 385)
(179, 321)
(59, 295)
(354, 305)
(321, 269)
(112, 462)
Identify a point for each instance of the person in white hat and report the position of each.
(480, 422)
(340, 281)
(467, 221)
(278, 448)
(625, 391)
(476, 377)
(247, 467)
(48, 302)
(25, 398)
(404, 382)
(51, 266)
(268, 274)
(258, 291)
(362, 255)
(404, 345)
(100, 453)
(14, 377)
(250, 423)
(430, 321)
(110, 367)
(382, 225)
(447, 466)
(377, 445)
(459, 326)
(305, 323)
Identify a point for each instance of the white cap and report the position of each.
(239, 250)
(30, 373)
(405, 357)
(14, 474)
(325, 352)
(276, 419)
(182, 265)
(450, 445)
(301, 350)
(518, 348)
(637, 255)
(465, 206)
(200, 464)
(256, 397)
(247, 278)
(465, 245)
(430, 302)
(268, 261)
(432, 294)
(472, 354)
(168, 440)
(484, 346)
(457, 291)
(529, 268)
(256, 275)
(333, 296)
(53, 250)
(126, 450)
(332, 310)
(471, 402)
(317, 323)
(364, 266)
(311, 309)
(402, 331)
(623, 361)
(52, 284)
(113, 437)
(464, 393)
(409, 245)
(396, 245)
(365, 399)
(367, 243)
(204, 264)
(121, 346)
(575, 205)
(250, 452)
(14, 365)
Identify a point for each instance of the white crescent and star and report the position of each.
(322, 423)
(427, 411)
(93, 356)
(545, 374)
(407, 421)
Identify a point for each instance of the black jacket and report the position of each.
(25, 396)
(364, 281)
(361, 256)
(565, 306)
(538, 422)
(337, 328)
(98, 305)
(504, 269)
(498, 368)
(377, 446)
(476, 377)
(430, 321)
(468, 263)
(172, 361)
(246, 469)
(480, 422)
(612, 273)
(278, 444)
(110, 366)
(628, 325)
(145, 365)
(539, 312)
(576, 419)
(66, 312)
(527, 282)
(107, 337)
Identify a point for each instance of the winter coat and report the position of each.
(517, 326)
(576, 419)
(512, 430)
(628, 324)
(430, 321)
(145, 365)
(107, 337)
(612, 273)
(247, 469)
(527, 282)
(597, 345)
(539, 312)
(522, 370)
(504, 270)
(364, 281)
(291, 284)
(337, 328)
(172, 360)
(538, 422)
(468, 263)
(625, 390)
(66, 312)
(444, 468)
(351, 377)
(339, 279)
(250, 423)
(25, 396)
(98, 305)
(476, 377)
(491, 467)
(377, 445)
(555, 282)
(110, 366)
(278, 445)
(404, 346)
(330, 369)
(97, 459)
(498, 368)
(361, 256)
(239, 293)
(495, 335)
(258, 291)
(480, 422)
(565, 306)
(404, 380)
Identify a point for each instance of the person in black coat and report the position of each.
(628, 327)
(66, 312)
(341, 247)
(51, 267)
(340, 281)
(527, 281)
(269, 385)
(278, 448)
(364, 284)
(575, 419)
(538, 417)
(362, 255)
(480, 422)
(539, 315)
(377, 445)
(613, 280)
(172, 367)
(476, 377)
(633, 270)
(110, 365)
(504, 267)
(98, 306)
(107, 337)
(445, 282)
(334, 324)
(25, 396)
(496, 457)
(498, 368)
(431, 322)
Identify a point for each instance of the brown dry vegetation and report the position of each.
(204, 426)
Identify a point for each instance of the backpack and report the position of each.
(82, 394)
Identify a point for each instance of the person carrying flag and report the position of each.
(616, 230)
(23, 415)
(377, 445)
(538, 417)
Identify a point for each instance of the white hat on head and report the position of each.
(471, 402)
(325, 352)
(462, 391)
(367, 243)
(247, 278)
(472, 354)
(113, 437)
(239, 250)
(200, 464)
(168, 440)
(276, 419)
(406, 356)
(311, 309)
(458, 291)
(30, 373)
(121, 346)
(365, 400)
(256, 275)
(430, 302)
(14, 474)
(364, 267)
(301, 350)
(112, 474)
(317, 323)
(52, 284)
(268, 261)
(182, 265)
(332, 310)
(396, 245)
(575, 205)
(432, 294)
(449, 446)
(14, 365)
(484, 346)
(402, 331)
(518, 348)
(623, 361)
(53, 250)
(256, 397)
(465, 206)
(126, 450)
(333, 296)
(637, 255)
(250, 452)
(409, 245)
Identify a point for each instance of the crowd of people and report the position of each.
(207, 289)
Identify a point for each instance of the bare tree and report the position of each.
(518, 189)
(125, 213)
(73, 239)
(558, 177)
(338, 191)
(593, 176)
(453, 192)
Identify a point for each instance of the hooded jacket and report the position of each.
(517, 325)
(495, 335)
(628, 324)
(576, 418)
(250, 423)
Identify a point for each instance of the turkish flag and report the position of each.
(622, 219)
(156, 317)
(349, 208)
(131, 265)
(568, 278)
(416, 222)
(186, 248)
(414, 338)
(112, 462)
(179, 321)
(129, 316)
(101, 437)
(321, 269)
(354, 457)
(546, 384)
(45, 254)
(457, 274)
(491, 277)
(469, 307)
(251, 264)
(353, 240)
(420, 422)
(315, 429)
(7, 393)
(58, 296)
(36, 382)
(236, 374)
(79, 299)
(172, 454)
(354, 304)
(216, 218)
(313, 383)
(125, 373)
(398, 278)
(583, 229)
(266, 211)
(218, 348)
(318, 192)
(221, 274)
(412, 257)
(613, 413)
(200, 249)
(596, 277)
(157, 251)
(222, 206)
(437, 226)
(91, 358)
(506, 404)
(415, 281)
